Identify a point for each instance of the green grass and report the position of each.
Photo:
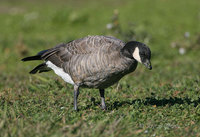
(161, 102)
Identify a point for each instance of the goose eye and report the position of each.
(142, 54)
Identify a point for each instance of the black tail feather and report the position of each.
(45, 70)
(41, 68)
(37, 57)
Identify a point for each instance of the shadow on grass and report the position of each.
(157, 102)
(147, 101)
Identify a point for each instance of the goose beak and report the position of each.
(148, 64)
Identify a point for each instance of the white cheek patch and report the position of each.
(136, 55)
(59, 71)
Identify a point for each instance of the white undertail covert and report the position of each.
(59, 71)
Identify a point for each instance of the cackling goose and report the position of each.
(93, 62)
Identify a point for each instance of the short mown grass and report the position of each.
(161, 102)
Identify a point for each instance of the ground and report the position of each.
(162, 102)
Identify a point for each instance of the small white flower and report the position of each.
(181, 51)
(62, 107)
(187, 34)
(109, 26)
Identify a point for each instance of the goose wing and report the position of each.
(88, 45)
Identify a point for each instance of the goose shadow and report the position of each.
(153, 101)
(149, 101)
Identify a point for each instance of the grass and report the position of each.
(161, 102)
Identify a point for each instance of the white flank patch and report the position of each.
(136, 55)
(59, 71)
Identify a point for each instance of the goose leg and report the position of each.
(76, 93)
(103, 105)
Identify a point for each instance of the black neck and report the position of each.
(129, 48)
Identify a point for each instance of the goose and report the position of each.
(92, 62)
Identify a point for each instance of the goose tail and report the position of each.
(40, 68)
(36, 57)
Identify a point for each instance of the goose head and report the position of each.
(139, 52)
